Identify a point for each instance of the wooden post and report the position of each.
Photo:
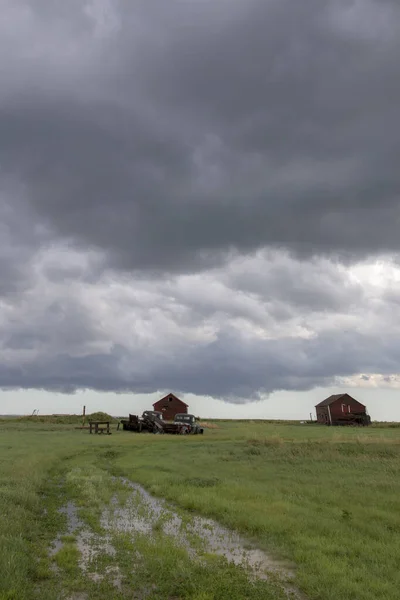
(330, 416)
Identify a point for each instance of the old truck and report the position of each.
(189, 420)
(143, 423)
(153, 422)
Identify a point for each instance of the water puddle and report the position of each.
(73, 521)
(90, 546)
(73, 524)
(143, 513)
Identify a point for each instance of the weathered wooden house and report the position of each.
(170, 405)
(342, 409)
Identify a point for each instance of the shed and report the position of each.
(342, 409)
(170, 405)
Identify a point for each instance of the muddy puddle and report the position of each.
(73, 524)
(90, 546)
(144, 514)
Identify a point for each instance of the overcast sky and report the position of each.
(199, 196)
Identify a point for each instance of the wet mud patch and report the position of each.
(142, 545)
(92, 549)
(144, 514)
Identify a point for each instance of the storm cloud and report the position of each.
(198, 196)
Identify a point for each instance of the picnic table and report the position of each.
(100, 427)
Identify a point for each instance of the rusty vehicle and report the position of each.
(191, 421)
(153, 422)
(143, 423)
(161, 426)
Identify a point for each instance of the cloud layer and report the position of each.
(196, 195)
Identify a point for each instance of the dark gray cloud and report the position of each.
(215, 150)
(20, 235)
(189, 130)
(195, 334)
(229, 368)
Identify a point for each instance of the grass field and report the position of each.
(325, 499)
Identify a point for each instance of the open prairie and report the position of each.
(287, 511)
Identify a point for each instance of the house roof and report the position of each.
(331, 400)
(173, 396)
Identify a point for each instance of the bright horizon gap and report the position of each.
(382, 404)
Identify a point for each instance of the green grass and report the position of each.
(326, 499)
(63, 419)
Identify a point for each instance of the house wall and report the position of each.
(170, 406)
(337, 410)
(322, 414)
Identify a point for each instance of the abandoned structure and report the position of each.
(342, 409)
(170, 405)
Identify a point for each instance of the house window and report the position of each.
(348, 408)
(343, 408)
(170, 399)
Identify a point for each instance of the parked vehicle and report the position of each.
(189, 420)
(152, 414)
(143, 423)
(153, 421)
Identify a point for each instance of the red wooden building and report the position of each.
(342, 409)
(170, 405)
